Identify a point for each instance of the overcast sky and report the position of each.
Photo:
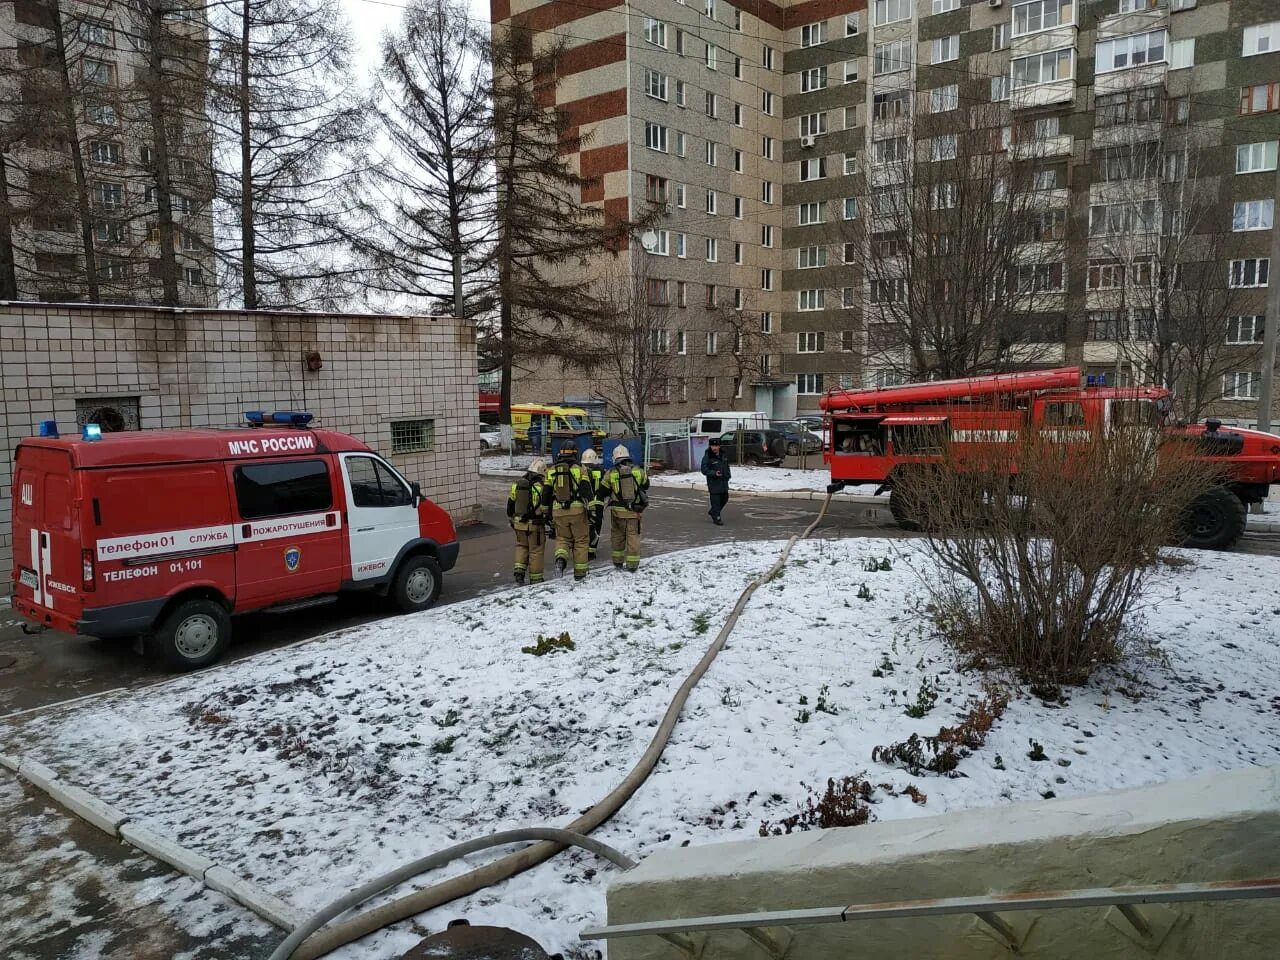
(369, 19)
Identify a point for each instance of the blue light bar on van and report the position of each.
(91, 431)
(295, 418)
(49, 428)
(255, 417)
(1091, 381)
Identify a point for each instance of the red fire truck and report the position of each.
(876, 434)
(166, 533)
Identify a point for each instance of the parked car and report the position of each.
(811, 422)
(759, 447)
(490, 438)
(799, 438)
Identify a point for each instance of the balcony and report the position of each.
(1132, 78)
(1043, 94)
(1037, 353)
(1123, 24)
(1041, 148)
(1108, 351)
(1043, 41)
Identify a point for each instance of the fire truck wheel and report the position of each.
(417, 584)
(1214, 521)
(899, 511)
(193, 635)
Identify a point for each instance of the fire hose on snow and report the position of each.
(302, 945)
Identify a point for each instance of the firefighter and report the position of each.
(627, 486)
(595, 508)
(568, 487)
(527, 514)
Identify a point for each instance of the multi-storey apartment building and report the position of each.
(81, 181)
(774, 138)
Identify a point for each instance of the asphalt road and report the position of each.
(50, 668)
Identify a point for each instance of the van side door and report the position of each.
(288, 530)
(381, 515)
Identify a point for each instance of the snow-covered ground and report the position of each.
(762, 480)
(313, 768)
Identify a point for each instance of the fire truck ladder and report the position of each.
(771, 930)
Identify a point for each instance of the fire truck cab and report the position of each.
(165, 534)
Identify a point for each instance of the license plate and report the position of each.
(28, 578)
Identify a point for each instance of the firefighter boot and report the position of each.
(561, 564)
(520, 577)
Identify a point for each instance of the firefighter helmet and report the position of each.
(621, 453)
(538, 466)
(590, 457)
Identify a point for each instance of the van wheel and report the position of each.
(193, 635)
(417, 584)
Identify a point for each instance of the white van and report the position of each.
(713, 423)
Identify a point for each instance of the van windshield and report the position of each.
(575, 422)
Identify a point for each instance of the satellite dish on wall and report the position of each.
(649, 240)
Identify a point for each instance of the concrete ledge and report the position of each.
(177, 856)
(37, 773)
(9, 763)
(1220, 827)
(271, 908)
(88, 807)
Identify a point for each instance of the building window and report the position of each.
(1043, 68)
(891, 11)
(946, 49)
(810, 257)
(809, 300)
(943, 147)
(713, 250)
(189, 243)
(766, 57)
(682, 242)
(681, 347)
(945, 6)
(657, 189)
(810, 213)
(1105, 275)
(655, 137)
(766, 147)
(814, 168)
(1131, 51)
(737, 161)
(96, 32)
(812, 34)
(99, 73)
(766, 322)
(1253, 215)
(889, 106)
(659, 295)
(1263, 38)
(658, 342)
(713, 343)
(1038, 278)
(809, 383)
(737, 208)
(1241, 385)
(104, 151)
(193, 276)
(892, 150)
(999, 36)
(944, 98)
(846, 341)
(1249, 273)
(680, 99)
(713, 106)
(709, 390)
(812, 79)
(680, 193)
(737, 258)
(712, 54)
(766, 279)
(766, 103)
(655, 85)
(108, 231)
(737, 118)
(810, 342)
(681, 144)
(1260, 98)
(850, 72)
(1041, 15)
(850, 164)
(1256, 157)
(1182, 54)
(1000, 87)
(1137, 106)
(766, 191)
(113, 268)
(108, 196)
(680, 44)
(813, 124)
(766, 235)
(1245, 329)
(891, 57)
(655, 32)
(99, 112)
(892, 290)
(712, 153)
(852, 24)
(1114, 219)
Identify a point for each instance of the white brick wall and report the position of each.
(192, 368)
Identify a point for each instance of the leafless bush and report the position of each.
(1044, 545)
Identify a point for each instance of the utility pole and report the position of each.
(1270, 322)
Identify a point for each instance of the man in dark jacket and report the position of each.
(716, 469)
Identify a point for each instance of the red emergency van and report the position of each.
(164, 534)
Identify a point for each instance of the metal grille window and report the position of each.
(412, 435)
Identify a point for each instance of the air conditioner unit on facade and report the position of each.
(808, 141)
(995, 3)
(668, 208)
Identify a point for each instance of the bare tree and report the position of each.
(634, 343)
(283, 101)
(547, 308)
(431, 199)
(1160, 242)
(960, 249)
